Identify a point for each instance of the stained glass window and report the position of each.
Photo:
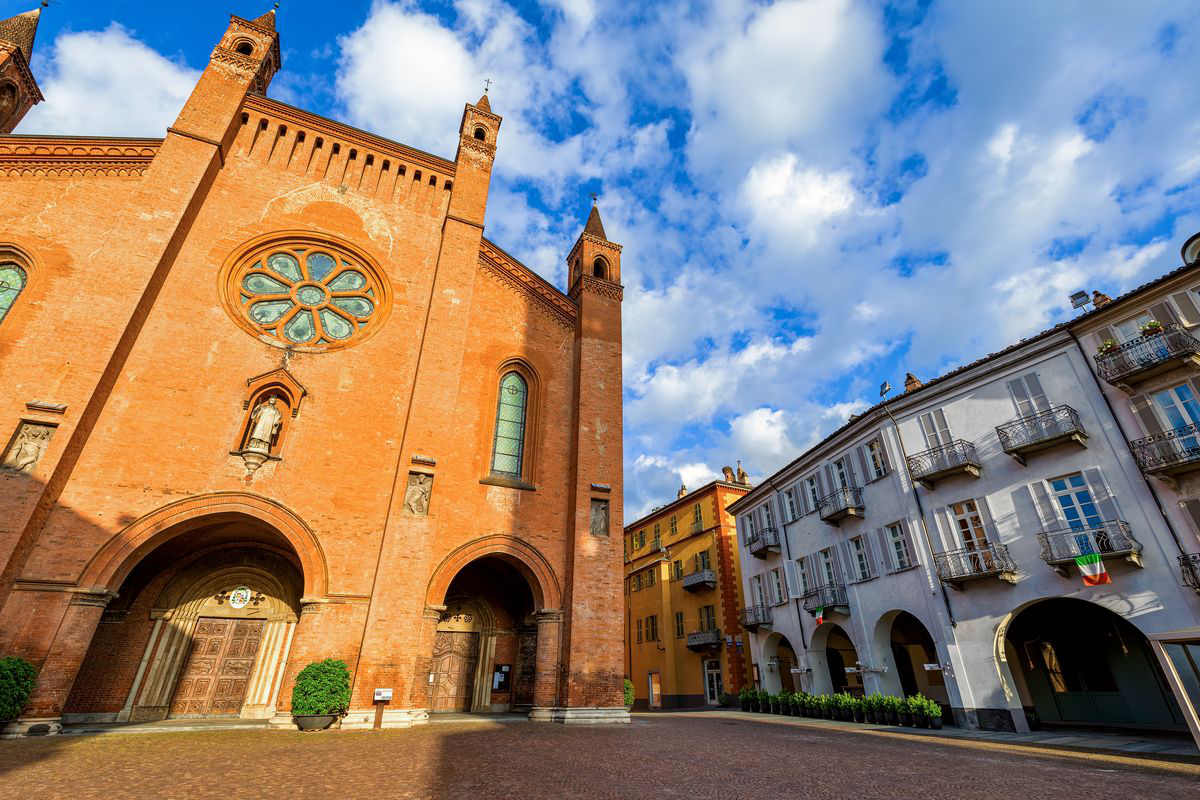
(509, 446)
(12, 281)
(307, 296)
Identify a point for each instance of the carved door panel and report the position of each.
(455, 656)
(218, 667)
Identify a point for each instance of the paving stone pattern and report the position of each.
(693, 757)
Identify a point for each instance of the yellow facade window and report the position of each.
(674, 526)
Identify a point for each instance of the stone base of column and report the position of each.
(31, 726)
(364, 719)
(580, 716)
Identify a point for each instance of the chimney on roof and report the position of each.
(742, 477)
(1099, 299)
(728, 473)
(682, 491)
(911, 382)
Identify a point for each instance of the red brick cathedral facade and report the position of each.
(271, 397)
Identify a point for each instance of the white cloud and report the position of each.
(107, 83)
(764, 434)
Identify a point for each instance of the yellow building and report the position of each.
(683, 593)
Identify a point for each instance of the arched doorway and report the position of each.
(485, 644)
(913, 651)
(842, 658)
(201, 626)
(781, 659)
(1076, 663)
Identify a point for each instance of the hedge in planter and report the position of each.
(323, 687)
(17, 677)
(628, 692)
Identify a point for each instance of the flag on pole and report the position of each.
(1091, 566)
(820, 614)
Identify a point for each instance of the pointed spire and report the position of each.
(483, 104)
(267, 20)
(20, 30)
(594, 226)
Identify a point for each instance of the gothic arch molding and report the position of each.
(532, 565)
(109, 567)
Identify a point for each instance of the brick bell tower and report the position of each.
(19, 91)
(591, 689)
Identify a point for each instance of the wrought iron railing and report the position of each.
(704, 638)
(1189, 566)
(700, 578)
(754, 616)
(980, 561)
(763, 538)
(1168, 449)
(831, 594)
(1037, 428)
(1110, 538)
(839, 501)
(1146, 352)
(944, 458)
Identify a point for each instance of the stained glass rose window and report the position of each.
(306, 295)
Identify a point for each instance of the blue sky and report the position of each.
(813, 196)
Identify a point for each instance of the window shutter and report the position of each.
(867, 473)
(1163, 313)
(1193, 509)
(1188, 314)
(1104, 334)
(820, 484)
(830, 484)
(883, 453)
(810, 570)
(791, 578)
(872, 559)
(989, 525)
(944, 520)
(1036, 393)
(943, 427)
(885, 550)
(911, 536)
(851, 477)
(849, 572)
(929, 429)
(839, 568)
(1195, 382)
(1145, 414)
(1100, 493)
(1044, 506)
(1020, 397)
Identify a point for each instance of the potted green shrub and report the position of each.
(764, 702)
(628, 694)
(826, 707)
(1151, 327)
(728, 700)
(934, 709)
(321, 694)
(891, 707)
(1108, 347)
(874, 704)
(746, 697)
(906, 717)
(860, 709)
(17, 678)
(919, 708)
(797, 703)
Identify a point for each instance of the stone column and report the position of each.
(43, 713)
(546, 674)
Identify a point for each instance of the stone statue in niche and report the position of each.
(416, 496)
(27, 447)
(265, 421)
(599, 518)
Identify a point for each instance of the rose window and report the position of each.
(306, 295)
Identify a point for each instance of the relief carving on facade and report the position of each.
(416, 496)
(599, 518)
(28, 446)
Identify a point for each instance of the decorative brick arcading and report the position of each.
(75, 156)
(512, 273)
(598, 286)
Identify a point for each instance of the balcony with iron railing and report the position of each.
(1132, 362)
(970, 563)
(703, 640)
(1169, 453)
(1041, 431)
(1189, 567)
(702, 580)
(955, 458)
(830, 596)
(762, 541)
(1111, 539)
(841, 504)
(755, 617)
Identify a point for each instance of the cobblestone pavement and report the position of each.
(693, 757)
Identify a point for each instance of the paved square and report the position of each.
(695, 756)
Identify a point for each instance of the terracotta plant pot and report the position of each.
(313, 722)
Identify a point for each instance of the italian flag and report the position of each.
(1092, 568)
(820, 615)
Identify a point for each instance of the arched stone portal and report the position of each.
(780, 660)
(1077, 663)
(201, 625)
(908, 647)
(485, 648)
(831, 653)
